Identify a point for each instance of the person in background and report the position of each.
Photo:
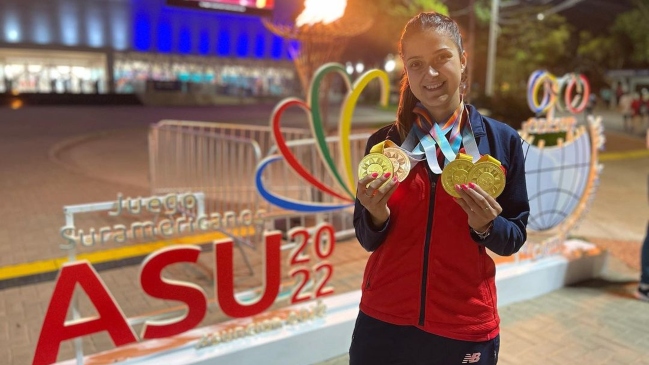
(644, 109)
(590, 106)
(636, 113)
(624, 107)
(428, 291)
(619, 91)
(643, 288)
(606, 94)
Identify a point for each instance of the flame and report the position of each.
(321, 11)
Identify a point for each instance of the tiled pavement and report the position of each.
(594, 323)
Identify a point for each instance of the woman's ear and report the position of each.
(463, 60)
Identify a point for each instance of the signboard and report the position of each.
(308, 266)
(254, 7)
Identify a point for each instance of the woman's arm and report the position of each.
(509, 232)
(371, 213)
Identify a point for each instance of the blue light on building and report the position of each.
(185, 40)
(223, 43)
(12, 31)
(142, 31)
(69, 16)
(242, 45)
(139, 25)
(260, 46)
(119, 29)
(277, 47)
(164, 35)
(204, 42)
(41, 24)
(95, 27)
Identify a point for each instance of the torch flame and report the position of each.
(321, 11)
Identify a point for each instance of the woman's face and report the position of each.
(434, 69)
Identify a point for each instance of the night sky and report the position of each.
(596, 15)
(593, 15)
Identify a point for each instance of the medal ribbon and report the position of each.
(460, 130)
(436, 137)
(379, 147)
(449, 147)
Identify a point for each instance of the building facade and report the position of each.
(126, 46)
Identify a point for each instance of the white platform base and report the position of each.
(329, 337)
(531, 279)
(300, 344)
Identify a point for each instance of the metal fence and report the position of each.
(220, 160)
(283, 181)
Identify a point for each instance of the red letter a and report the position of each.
(55, 329)
(225, 278)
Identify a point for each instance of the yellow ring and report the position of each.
(535, 89)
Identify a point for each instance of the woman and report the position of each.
(429, 294)
(643, 287)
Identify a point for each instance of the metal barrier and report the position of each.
(220, 160)
(281, 180)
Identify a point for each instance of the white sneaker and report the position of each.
(643, 292)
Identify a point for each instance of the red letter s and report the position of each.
(158, 287)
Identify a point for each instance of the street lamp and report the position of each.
(491, 53)
(360, 67)
(390, 65)
(349, 67)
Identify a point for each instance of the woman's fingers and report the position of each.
(362, 186)
(386, 191)
(480, 207)
(377, 183)
(374, 191)
(477, 199)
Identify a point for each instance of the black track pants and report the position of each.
(375, 342)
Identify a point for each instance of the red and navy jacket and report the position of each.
(427, 269)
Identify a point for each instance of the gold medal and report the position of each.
(456, 172)
(374, 163)
(487, 174)
(400, 162)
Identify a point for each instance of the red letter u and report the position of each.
(225, 277)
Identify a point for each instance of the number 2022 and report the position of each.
(323, 244)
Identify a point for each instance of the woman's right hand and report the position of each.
(373, 191)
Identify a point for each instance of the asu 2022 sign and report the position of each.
(307, 262)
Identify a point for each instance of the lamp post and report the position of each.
(491, 53)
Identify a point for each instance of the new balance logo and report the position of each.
(471, 358)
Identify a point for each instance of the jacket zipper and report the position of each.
(370, 274)
(429, 227)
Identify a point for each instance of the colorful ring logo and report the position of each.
(344, 189)
(570, 92)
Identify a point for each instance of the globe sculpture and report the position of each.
(561, 163)
(560, 179)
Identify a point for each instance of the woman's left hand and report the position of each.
(480, 207)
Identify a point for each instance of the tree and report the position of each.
(528, 45)
(408, 8)
(632, 28)
(625, 45)
(384, 35)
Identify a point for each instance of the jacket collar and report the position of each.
(476, 120)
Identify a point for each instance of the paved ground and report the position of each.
(52, 157)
